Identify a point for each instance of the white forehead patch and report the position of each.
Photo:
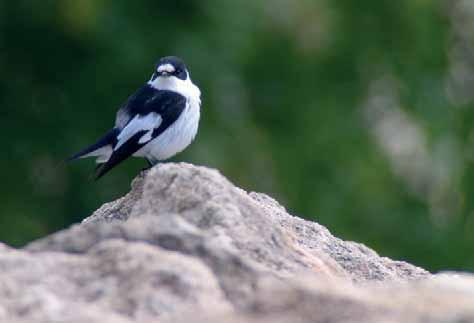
(166, 68)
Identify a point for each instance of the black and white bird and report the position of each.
(157, 122)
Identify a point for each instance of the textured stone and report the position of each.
(186, 245)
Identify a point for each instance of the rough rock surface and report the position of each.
(186, 245)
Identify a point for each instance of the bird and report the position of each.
(156, 122)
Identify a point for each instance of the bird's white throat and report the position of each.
(172, 83)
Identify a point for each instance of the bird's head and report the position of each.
(170, 67)
(171, 74)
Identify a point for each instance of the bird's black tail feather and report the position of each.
(123, 152)
(110, 138)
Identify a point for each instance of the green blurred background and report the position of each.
(356, 114)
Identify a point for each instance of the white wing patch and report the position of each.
(122, 118)
(148, 122)
(146, 137)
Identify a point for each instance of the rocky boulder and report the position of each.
(186, 245)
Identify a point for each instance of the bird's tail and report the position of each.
(97, 149)
(124, 151)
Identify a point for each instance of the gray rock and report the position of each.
(187, 245)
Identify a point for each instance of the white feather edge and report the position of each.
(102, 154)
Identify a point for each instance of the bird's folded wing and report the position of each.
(140, 123)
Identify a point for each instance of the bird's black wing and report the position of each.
(136, 102)
(169, 105)
(124, 115)
(149, 121)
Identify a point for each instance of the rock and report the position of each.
(187, 245)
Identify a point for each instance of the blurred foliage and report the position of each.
(355, 114)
